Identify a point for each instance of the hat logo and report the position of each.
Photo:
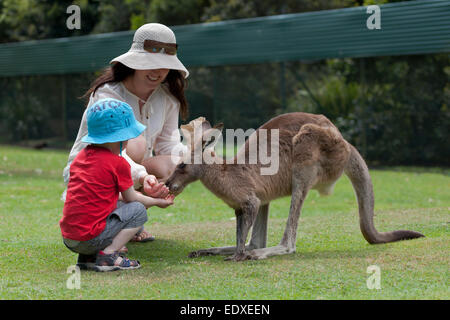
(110, 120)
(104, 105)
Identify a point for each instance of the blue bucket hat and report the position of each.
(111, 120)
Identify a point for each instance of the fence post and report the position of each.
(360, 110)
(283, 86)
(310, 94)
(216, 91)
(64, 107)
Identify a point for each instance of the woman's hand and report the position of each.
(153, 188)
(149, 181)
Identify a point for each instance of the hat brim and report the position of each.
(117, 136)
(145, 61)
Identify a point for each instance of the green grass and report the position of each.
(330, 263)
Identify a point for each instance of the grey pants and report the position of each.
(125, 216)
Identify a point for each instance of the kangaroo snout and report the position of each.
(173, 187)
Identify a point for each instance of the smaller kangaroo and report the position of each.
(312, 155)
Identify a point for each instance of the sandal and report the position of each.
(146, 239)
(123, 250)
(107, 262)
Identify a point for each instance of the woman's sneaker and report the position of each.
(107, 262)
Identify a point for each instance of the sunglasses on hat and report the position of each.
(153, 46)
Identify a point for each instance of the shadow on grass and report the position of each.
(171, 251)
(340, 253)
(174, 252)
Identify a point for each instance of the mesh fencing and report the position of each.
(394, 109)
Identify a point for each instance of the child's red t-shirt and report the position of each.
(96, 177)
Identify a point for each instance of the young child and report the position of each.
(95, 224)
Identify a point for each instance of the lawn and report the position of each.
(330, 263)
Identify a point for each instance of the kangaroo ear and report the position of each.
(211, 143)
(219, 126)
(188, 133)
(211, 137)
(206, 125)
(189, 129)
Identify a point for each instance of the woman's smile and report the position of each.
(153, 78)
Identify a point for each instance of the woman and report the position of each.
(151, 79)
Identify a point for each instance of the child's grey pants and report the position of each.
(125, 216)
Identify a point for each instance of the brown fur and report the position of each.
(312, 155)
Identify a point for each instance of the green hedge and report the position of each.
(394, 109)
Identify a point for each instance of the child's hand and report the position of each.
(164, 203)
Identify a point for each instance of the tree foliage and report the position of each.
(40, 19)
(395, 109)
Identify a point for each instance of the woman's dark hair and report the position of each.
(118, 72)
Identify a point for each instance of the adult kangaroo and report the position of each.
(312, 155)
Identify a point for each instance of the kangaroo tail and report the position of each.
(356, 169)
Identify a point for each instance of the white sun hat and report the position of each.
(159, 53)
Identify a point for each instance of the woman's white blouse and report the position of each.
(160, 115)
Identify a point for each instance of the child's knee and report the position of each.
(80, 247)
(140, 216)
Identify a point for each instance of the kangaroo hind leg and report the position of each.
(306, 167)
(288, 242)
